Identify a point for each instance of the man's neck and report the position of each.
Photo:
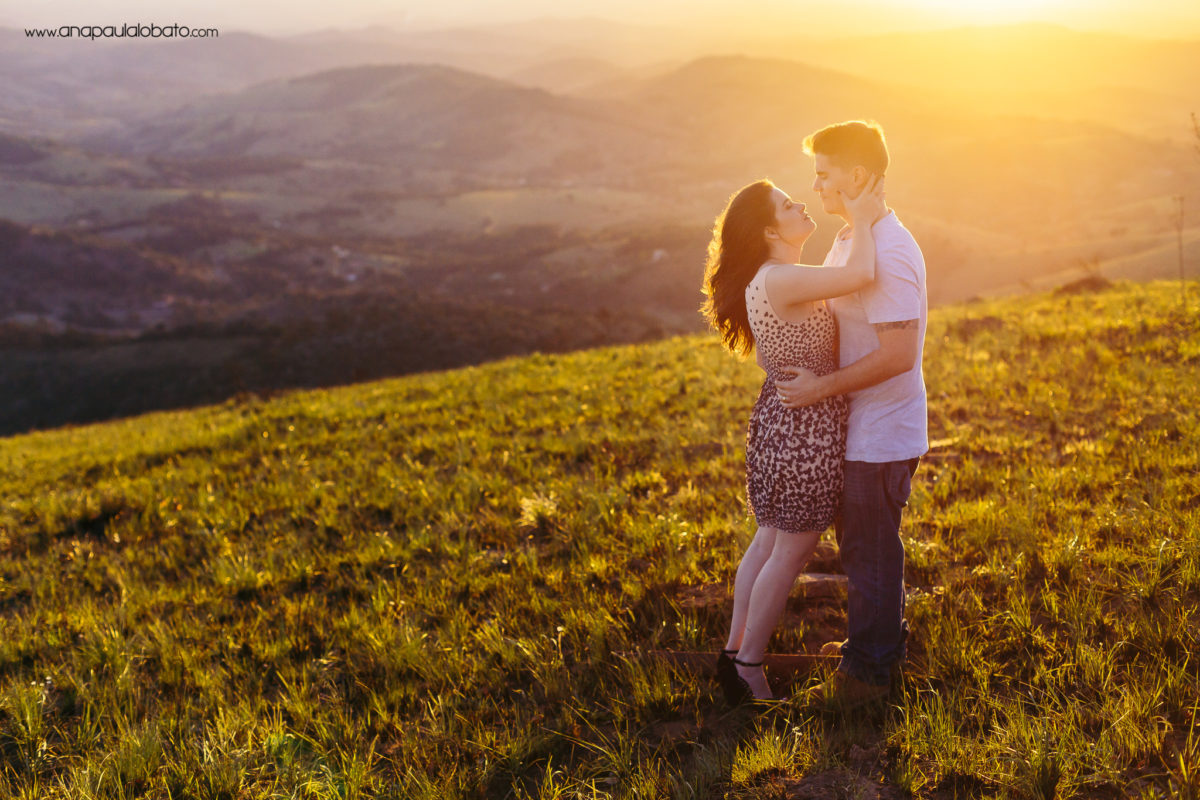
(848, 231)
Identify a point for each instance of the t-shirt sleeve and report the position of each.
(895, 294)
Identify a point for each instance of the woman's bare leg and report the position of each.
(767, 599)
(752, 562)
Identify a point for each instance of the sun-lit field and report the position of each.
(457, 585)
(422, 587)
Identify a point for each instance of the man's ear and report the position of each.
(859, 176)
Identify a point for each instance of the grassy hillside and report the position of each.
(418, 587)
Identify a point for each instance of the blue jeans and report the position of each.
(873, 559)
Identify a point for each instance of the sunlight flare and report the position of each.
(988, 11)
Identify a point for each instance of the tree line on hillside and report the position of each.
(52, 380)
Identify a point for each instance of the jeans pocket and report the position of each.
(861, 483)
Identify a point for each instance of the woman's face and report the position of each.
(792, 222)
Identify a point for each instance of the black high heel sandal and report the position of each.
(726, 672)
(739, 688)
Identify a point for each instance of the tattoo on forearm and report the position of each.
(907, 324)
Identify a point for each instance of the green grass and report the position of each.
(423, 587)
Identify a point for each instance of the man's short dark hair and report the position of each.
(851, 144)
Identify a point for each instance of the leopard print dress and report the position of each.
(793, 455)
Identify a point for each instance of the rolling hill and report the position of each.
(76, 88)
(414, 118)
(444, 585)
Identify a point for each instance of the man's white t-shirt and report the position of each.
(888, 421)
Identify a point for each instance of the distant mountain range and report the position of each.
(66, 88)
(410, 147)
(544, 185)
(412, 117)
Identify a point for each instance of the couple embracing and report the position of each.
(840, 424)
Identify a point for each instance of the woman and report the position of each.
(759, 296)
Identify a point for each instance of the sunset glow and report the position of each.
(998, 12)
(1011, 8)
(1155, 17)
(853, 17)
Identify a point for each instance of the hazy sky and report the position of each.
(1147, 17)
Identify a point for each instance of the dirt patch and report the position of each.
(834, 784)
(826, 558)
(1092, 283)
(674, 732)
(708, 595)
(967, 328)
(813, 585)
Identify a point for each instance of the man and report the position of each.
(881, 331)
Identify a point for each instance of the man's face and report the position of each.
(831, 178)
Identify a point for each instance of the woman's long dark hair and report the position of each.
(738, 248)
